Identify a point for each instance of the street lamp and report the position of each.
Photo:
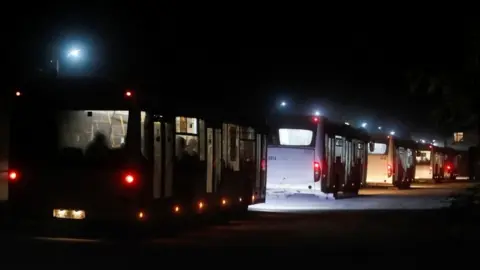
(71, 54)
(283, 103)
(364, 125)
(392, 132)
(317, 113)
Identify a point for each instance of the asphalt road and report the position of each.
(419, 197)
(345, 236)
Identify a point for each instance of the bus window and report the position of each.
(379, 149)
(423, 157)
(201, 129)
(186, 144)
(186, 125)
(79, 128)
(186, 138)
(143, 115)
(295, 137)
(232, 143)
(409, 157)
(247, 133)
(340, 151)
(247, 144)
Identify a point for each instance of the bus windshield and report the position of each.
(78, 129)
(379, 149)
(44, 136)
(423, 157)
(295, 137)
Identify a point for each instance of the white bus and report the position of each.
(436, 164)
(391, 162)
(312, 155)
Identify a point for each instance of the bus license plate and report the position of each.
(68, 214)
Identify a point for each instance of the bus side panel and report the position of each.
(377, 169)
(423, 172)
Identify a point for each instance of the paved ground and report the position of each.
(420, 196)
(349, 238)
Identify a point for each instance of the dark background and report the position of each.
(357, 58)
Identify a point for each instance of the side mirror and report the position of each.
(371, 146)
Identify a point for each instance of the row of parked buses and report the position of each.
(312, 155)
(85, 150)
(88, 151)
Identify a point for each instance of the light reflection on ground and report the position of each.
(419, 197)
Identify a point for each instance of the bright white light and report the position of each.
(433, 140)
(422, 140)
(283, 103)
(74, 53)
(364, 125)
(379, 128)
(392, 132)
(317, 113)
(347, 123)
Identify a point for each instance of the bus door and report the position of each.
(190, 166)
(410, 165)
(401, 166)
(231, 181)
(247, 159)
(158, 157)
(328, 184)
(424, 164)
(217, 158)
(438, 163)
(359, 159)
(260, 187)
(335, 157)
(350, 174)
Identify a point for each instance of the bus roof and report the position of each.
(98, 93)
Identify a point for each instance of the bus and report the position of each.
(391, 162)
(432, 163)
(90, 151)
(313, 155)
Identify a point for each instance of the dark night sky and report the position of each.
(353, 58)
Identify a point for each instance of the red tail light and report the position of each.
(12, 175)
(129, 178)
(449, 168)
(316, 171)
(389, 171)
(128, 93)
(263, 164)
(315, 119)
(18, 93)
